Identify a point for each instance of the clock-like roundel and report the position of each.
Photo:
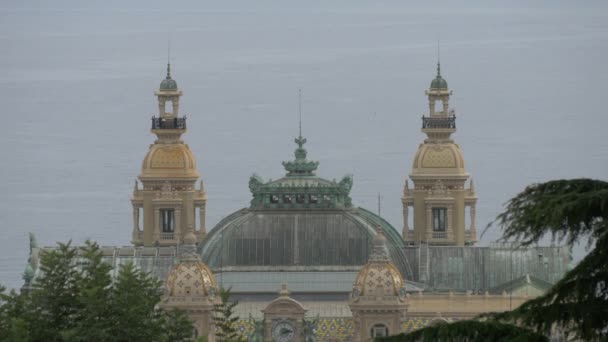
(284, 331)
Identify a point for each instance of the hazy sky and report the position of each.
(77, 81)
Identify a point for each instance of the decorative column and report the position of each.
(472, 212)
(178, 231)
(156, 225)
(135, 223)
(429, 222)
(161, 107)
(201, 213)
(450, 230)
(406, 228)
(175, 101)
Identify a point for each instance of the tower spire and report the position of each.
(438, 59)
(169, 59)
(300, 111)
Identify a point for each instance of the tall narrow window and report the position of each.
(440, 218)
(167, 220)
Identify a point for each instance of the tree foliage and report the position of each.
(75, 299)
(570, 211)
(470, 331)
(224, 318)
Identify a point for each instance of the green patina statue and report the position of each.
(258, 330)
(309, 330)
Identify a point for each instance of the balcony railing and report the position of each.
(446, 122)
(440, 235)
(162, 123)
(166, 236)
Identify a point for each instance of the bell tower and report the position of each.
(165, 206)
(439, 198)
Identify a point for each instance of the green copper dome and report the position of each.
(438, 82)
(168, 83)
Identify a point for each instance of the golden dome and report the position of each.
(191, 278)
(379, 277)
(169, 161)
(439, 159)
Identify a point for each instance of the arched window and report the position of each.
(379, 330)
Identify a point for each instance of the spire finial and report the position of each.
(438, 59)
(379, 251)
(300, 110)
(169, 59)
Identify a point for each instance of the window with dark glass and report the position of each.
(286, 199)
(313, 199)
(274, 199)
(300, 198)
(440, 218)
(167, 220)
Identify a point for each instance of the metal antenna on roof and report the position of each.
(379, 204)
(300, 110)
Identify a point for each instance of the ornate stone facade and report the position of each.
(166, 205)
(379, 300)
(439, 198)
(191, 287)
(284, 318)
(304, 230)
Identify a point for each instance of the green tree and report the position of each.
(571, 211)
(134, 297)
(177, 327)
(75, 299)
(225, 319)
(94, 296)
(13, 326)
(54, 308)
(470, 331)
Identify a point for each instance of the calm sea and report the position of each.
(76, 88)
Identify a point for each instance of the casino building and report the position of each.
(308, 264)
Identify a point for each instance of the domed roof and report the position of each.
(302, 240)
(379, 276)
(168, 83)
(169, 161)
(439, 158)
(300, 222)
(191, 277)
(438, 82)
